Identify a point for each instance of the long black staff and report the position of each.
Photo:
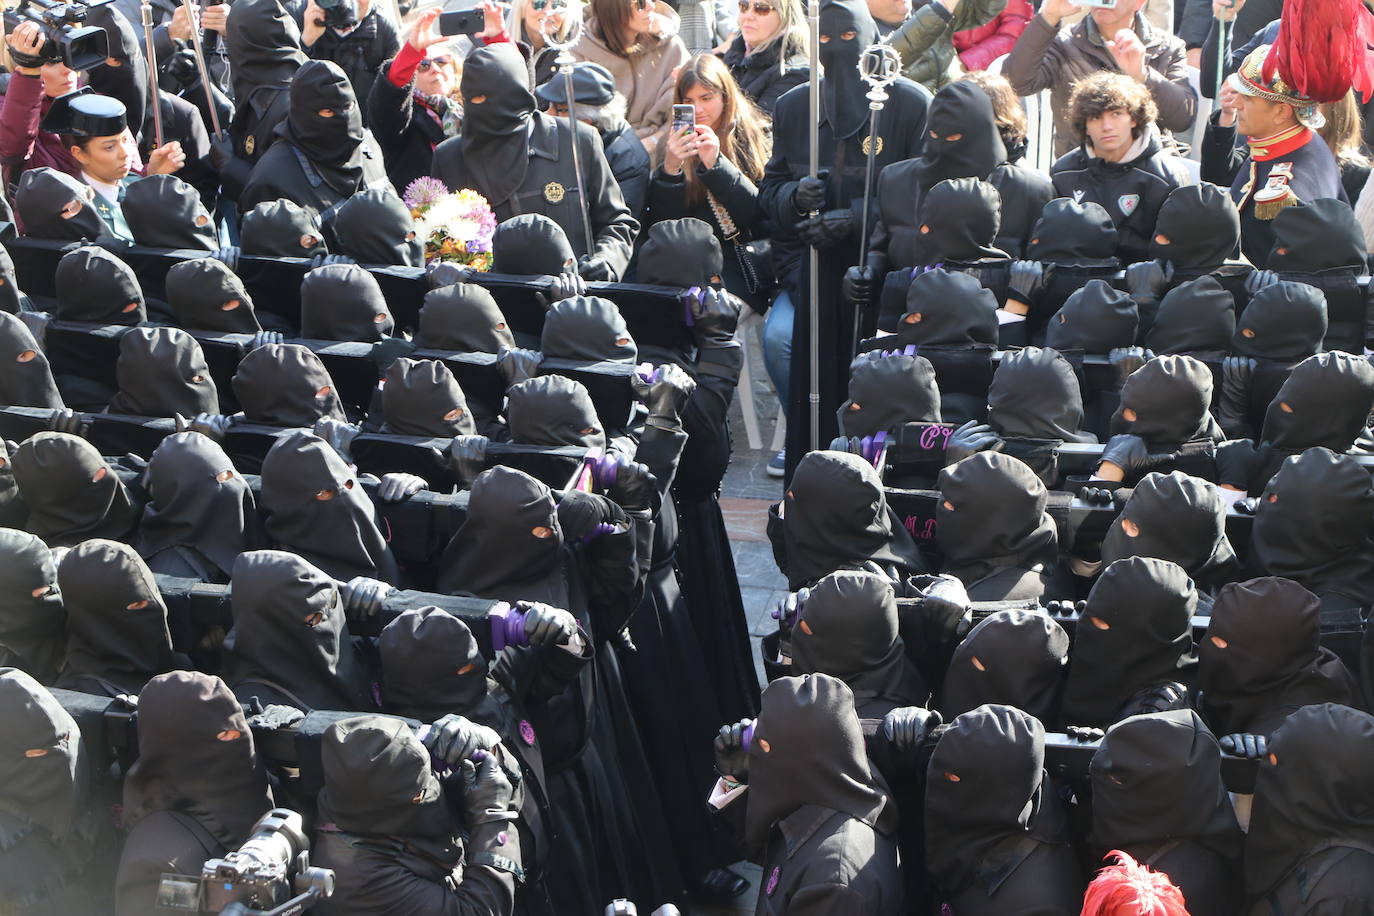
(879, 66)
(564, 61)
(813, 18)
(145, 10)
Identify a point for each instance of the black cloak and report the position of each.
(32, 635)
(206, 295)
(1194, 317)
(44, 790)
(333, 145)
(420, 397)
(1095, 319)
(1177, 518)
(374, 226)
(494, 145)
(842, 90)
(379, 781)
(962, 140)
(94, 285)
(285, 385)
(25, 376)
(948, 308)
(344, 302)
(1013, 657)
(462, 317)
(282, 229)
(887, 391)
(162, 372)
(44, 201)
(531, 244)
(165, 212)
(71, 493)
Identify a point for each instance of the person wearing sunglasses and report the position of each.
(533, 22)
(769, 55)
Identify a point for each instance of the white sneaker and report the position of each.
(777, 465)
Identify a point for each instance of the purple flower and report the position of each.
(423, 192)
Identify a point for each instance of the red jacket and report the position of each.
(22, 144)
(979, 47)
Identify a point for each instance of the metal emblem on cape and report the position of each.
(867, 142)
(554, 192)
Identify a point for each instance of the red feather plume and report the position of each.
(1323, 49)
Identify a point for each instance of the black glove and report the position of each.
(210, 425)
(583, 515)
(464, 458)
(222, 152)
(1259, 279)
(635, 488)
(263, 338)
(1025, 281)
(906, 727)
(1246, 506)
(339, 434)
(228, 255)
(1161, 698)
(1132, 455)
(447, 273)
(1145, 280)
(327, 260)
(1125, 360)
(546, 625)
(1239, 461)
(714, 318)
(1233, 407)
(1066, 610)
(858, 285)
(593, 267)
(363, 597)
(1085, 733)
(386, 351)
(563, 286)
(487, 792)
(1243, 744)
(66, 420)
(789, 609)
(518, 364)
(827, 229)
(942, 597)
(453, 739)
(851, 444)
(276, 716)
(971, 438)
(1097, 496)
(397, 487)
(665, 394)
(732, 757)
(810, 193)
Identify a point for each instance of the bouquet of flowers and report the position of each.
(455, 226)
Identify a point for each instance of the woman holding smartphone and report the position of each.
(770, 54)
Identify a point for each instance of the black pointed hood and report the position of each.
(960, 217)
(992, 517)
(25, 376)
(344, 302)
(205, 295)
(1035, 395)
(1315, 236)
(162, 372)
(961, 137)
(531, 244)
(1095, 319)
(43, 777)
(1171, 397)
(54, 205)
(285, 385)
(587, 327)
(421, 397)
(374, 226)
(948, 308)
(1325, 401)
(553, 410)
(1072, 233)
(843, 92)
(680, 252)
(431, 667)
(32, 622)
(1197, 228)
(264, 43)
(1284, 322)
(71, 493)
(95, 285)
(494, 143)
(1013, 657)
(1196, 316)
(1177, 518)
(462, 317)
(334, 145)
(282, 228)
(165, 212)
(887, 391)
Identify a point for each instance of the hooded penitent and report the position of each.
(1135, 633)
(205, 295)
(887, 391)
(379, 781)
(344, 302)
(948, 308)
(10, 296)
(553, 410)
(265, 45)
(587, 327)
(495, 151)
(848, 629)
(196, 757)
(71, 493)
(374, 226)
(1196, 316)
(1035, 395)
(1325, 401)
(334, 145)
(531, 244)
(836, 517)
(1170, 397)
(94, 285)
(165, 212)
(1173, 517)
(1013, 657)
(1312, 525)
(1285, 322)
(162, 372)
(992, 517)
(808, 749)
(1095, 319)
(43, 775)
(961, 137)
(680, 252)
(422, 398)
(315, 506)
(1316, 236)
(1197, 228)
(510, 546)
(431, 666)
(25, 376)
(32, 634)
(1314, 790)
(282, 228)
(197, 503)
(1262, 657)
(289, 630)
(846, 29)
(285, 385)
(117, 635)
(960, 217)
(54, 205)
(462, 317)
(1072, 233)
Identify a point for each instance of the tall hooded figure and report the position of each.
(322, 154)
(32, 634)
(264, 43)
(789, 199)
(520, 160)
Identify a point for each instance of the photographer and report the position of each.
(352, 34)
(400, 838)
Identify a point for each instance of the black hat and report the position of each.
(87, 114)
(592, 85)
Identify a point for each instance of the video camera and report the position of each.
(80, 47)
(339, 14)
(269, 875)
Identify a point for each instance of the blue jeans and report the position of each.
(777, 343)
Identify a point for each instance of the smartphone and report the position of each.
(461, 22)
(684, 118)
(1096, 4)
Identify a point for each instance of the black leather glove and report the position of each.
(665, 393)
(1085, 733)
(518, 364)
(714, 318)
(397, 487)
(584, 515)
(1259, 279)
(732, 757)
(1125, 361)
(487, 792)
(1065, 610)
(338, 434)
(66, 420)
(1025, 281)
(1097, 496)
(263, 338)
(789, 609)
(228, 255)
(1145, 280)
(593, 267)
(971, 438)
(1132, 455)
(810, 193)
(1239, 461)
(827, 229)
(1160, 698)
(1244, 744)
(943, 597)
(386, 351)
(546, 625)
(447, 273)
(222, 152)
(327, 260)
(363, 597)
(1233, 407)
(275, 717)
(858, 285)
(211, 425)
(635, 488)
(906, 727)
(464, 458)
(1246, 506)
(454, 738)
(563, 286)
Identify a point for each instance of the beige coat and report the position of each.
(645, 79)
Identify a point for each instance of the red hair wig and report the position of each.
(1132, 889)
